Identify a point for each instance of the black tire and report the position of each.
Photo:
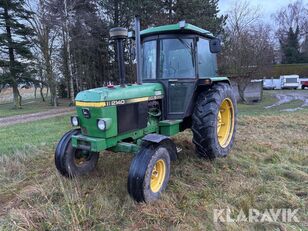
(205, 121)
(141, 170)
(66, 157)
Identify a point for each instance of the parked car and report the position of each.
(268, 84)
(304, 84)
(271, 84)
(289, 81)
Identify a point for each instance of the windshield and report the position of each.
(149, 60)
(177, 58)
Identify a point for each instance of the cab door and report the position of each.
(177, 71)
(179, 96)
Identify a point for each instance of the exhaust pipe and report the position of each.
(138, 49)
(119, 34)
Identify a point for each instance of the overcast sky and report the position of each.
(268, 7)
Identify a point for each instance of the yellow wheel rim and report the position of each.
(225, 122)
(158, 175)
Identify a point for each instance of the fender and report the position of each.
(165, 141)
(201, 86)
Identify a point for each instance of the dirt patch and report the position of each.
(34, 116)
(289, 97)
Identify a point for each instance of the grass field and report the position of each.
(267, 168)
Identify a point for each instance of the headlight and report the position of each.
(101, 124)
(75, 121)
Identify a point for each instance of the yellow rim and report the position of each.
(158, 175)
(225, 122)
(80, 158)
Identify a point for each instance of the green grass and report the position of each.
(37, 134)
(28, 106)
(266, 169)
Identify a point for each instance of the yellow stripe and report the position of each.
(137, 100)
(110, 103)
(90, 104)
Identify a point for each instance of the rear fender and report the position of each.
(203, 84)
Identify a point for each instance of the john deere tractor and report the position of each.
(177, 88)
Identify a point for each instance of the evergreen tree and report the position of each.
(304, 53)
(202, 13)
(15, 46)
(290, 47)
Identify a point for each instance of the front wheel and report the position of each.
(214, 121)
(71, 161)
(149, 173)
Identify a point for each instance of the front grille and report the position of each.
(132, 116)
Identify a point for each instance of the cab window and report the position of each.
(176, 58)
(149, 60)
(206, 60)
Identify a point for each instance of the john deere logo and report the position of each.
(86, 113)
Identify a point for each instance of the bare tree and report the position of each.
(248, 49)
(66, 42)
(294, 16)
(292, 24)
(46, 34)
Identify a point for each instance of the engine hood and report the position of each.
(117, 93)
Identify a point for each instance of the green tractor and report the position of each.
(177, 88)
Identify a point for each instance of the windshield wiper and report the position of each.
(190, 49)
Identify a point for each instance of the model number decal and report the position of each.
(155, 97)
(117, 102)
(135, 100)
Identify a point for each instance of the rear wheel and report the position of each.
(71, 161)
(149, 173)
(214, 121)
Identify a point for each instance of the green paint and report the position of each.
(102, 142)
(96, 144)
(119, 93)
(125, 147)
(176, 28)
(169, 127)
(90, 125)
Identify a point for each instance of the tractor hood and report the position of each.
(117, 93)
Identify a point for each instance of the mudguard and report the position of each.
(161, 140)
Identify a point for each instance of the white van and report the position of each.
(289, 81)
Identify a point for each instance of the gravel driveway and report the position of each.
(35, 116)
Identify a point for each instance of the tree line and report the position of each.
(64, 46)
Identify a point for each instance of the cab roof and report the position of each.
(179, 28)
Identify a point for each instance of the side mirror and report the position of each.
(215, 46)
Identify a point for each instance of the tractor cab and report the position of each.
(178, 56)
